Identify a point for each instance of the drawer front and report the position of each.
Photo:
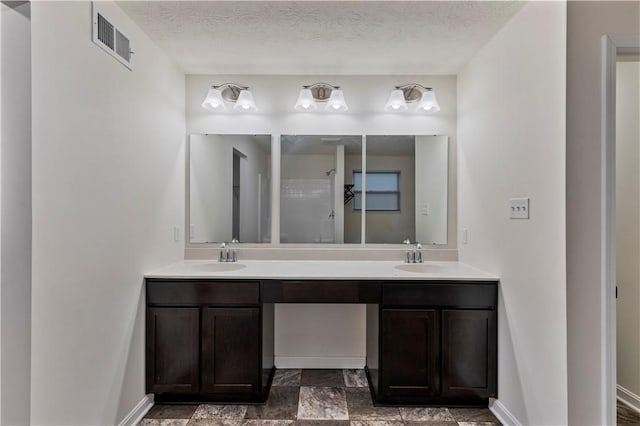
(440, 294)
(311, 291)
(203, 292)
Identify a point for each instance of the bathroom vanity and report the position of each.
(431, 328)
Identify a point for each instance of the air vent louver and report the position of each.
(109, 37)
(122, 46)
(105, 31)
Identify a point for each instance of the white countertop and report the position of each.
(321, 269)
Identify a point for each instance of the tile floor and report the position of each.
(627, 416)
(316, 398)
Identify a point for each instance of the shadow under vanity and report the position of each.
(429, 342)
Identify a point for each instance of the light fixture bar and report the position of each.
(321, 92)
(230, 91)
(413, 92)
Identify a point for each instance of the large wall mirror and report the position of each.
(229, 188)
(327, 189)
(406, 189)
(313, 199)
(403, 188)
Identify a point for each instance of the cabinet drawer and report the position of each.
(203, 292)
(311, 291)
(440, 294)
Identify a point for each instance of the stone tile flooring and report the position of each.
(627, 416)
(316, 398)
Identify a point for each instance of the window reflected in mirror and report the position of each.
(406, 189)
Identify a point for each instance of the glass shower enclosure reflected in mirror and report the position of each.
(315, 192)
(229, 188)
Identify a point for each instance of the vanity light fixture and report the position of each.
(313, 94)
(305, 101)
(410, 93)
(240, 96)
(396, 102)
(336, 102)
(245, 102)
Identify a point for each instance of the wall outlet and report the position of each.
(176, 234)
(519, 208)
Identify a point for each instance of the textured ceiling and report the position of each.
(320, 37)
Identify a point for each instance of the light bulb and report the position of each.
(336, 101)
(428, 103)
(396, 101)
(213, 101)
(305, 101)
(245, 102)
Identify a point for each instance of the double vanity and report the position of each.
(431, 328)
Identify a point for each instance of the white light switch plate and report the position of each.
(519, 208)
(176, 233)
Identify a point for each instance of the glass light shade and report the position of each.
(336, 102)
(396, 102)
(305, 101)
(245, 102)
(214, 101)
(428, 102)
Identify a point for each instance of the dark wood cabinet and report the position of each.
(469, 358)
(428, 342)
(231, 350)
(437, 344)
(204, 341)
(173, 346)
(410, 347)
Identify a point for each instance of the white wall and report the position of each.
(628, 225)
(108, 187)
(366, 96)
(511, 129)
(586, 23)
(15, 246)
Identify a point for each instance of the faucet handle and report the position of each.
(407, 241)
(234, 241)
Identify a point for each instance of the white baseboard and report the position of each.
(502, 413)
(319, 362)
(138, 412)
(628, 398)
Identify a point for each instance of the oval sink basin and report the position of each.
(218, 267)
(421, 268)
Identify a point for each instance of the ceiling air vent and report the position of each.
(110, 38)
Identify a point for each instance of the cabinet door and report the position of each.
(231, 350)
(469, 353)
(410, 350)
(173, 337)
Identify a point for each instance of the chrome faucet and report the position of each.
(417, 253)
(412, 254)
(227, 253)
(224, 252)
(408, 254)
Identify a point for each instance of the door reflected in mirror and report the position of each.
(229, 188)
(313, 195)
